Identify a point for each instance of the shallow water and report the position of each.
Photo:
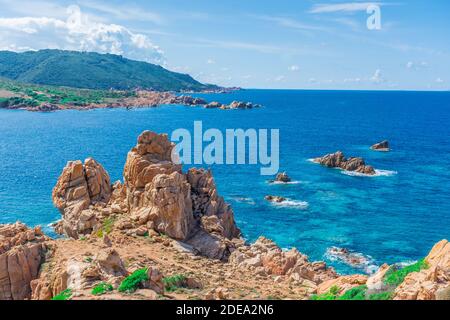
(392, 217)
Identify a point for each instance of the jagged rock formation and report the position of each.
(155, 195)
(266, 258)
(282, 177)
(337, 160)
(22, 251)
(79, 188)
(430, 283)
(381, 146)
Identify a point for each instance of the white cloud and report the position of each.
(79, 32)
(343, 7)
(352, 80)
(294, 68)
(279, 78)
(416, 65)
(210, 61)
(439, 80)
(377, 77)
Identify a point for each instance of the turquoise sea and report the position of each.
(395, 216)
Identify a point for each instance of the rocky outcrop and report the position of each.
(79, 188)
(265, 257)
(276, 199)
(338, 160)
(155, 196)
(432, 282)
(381, 146)
(282, 177)
(353, 259)
(22, 251)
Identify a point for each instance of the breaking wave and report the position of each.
(353, 259)
(378, 173)
(292, 204)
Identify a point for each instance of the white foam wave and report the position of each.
(292, 204)
(378, 173)
(244, 200)
(280, 182)
(353, 259)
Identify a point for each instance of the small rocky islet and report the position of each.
(338, 160)
(168, 234)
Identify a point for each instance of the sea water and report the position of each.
(394, 216)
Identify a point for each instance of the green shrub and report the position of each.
(395, 276)
(132, 282)
(63, 295)
(106, 227)
(357, 293)
(174, 282)
(330, 295)
(382, 296)
(102, 288)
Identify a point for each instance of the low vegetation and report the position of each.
(17, 95)
(133, 281)
(395, 276)
(63, 295)
(107, 226)
(174, 282)
(392, 279)
(102, 288)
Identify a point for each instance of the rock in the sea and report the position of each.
(282, 177)
(22, 251)
(276, 199)
(381, 146)
(232, 105)
(80, 186)
(338, 160)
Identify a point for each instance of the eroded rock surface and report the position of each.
(266, 257)
(381, 146)
(432, 282)
(79, 188)
(338, 160)
(22, 251)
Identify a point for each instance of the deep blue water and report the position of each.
(392, 218)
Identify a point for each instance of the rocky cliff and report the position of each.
(168, 234)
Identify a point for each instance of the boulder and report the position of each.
(276, 199)
(22, 251)
(78, 187)
(344, 283)
(338, 160)
(282, 177)
(381, 146)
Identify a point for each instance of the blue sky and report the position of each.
(256, 44)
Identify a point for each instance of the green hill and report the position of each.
(92, 71)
